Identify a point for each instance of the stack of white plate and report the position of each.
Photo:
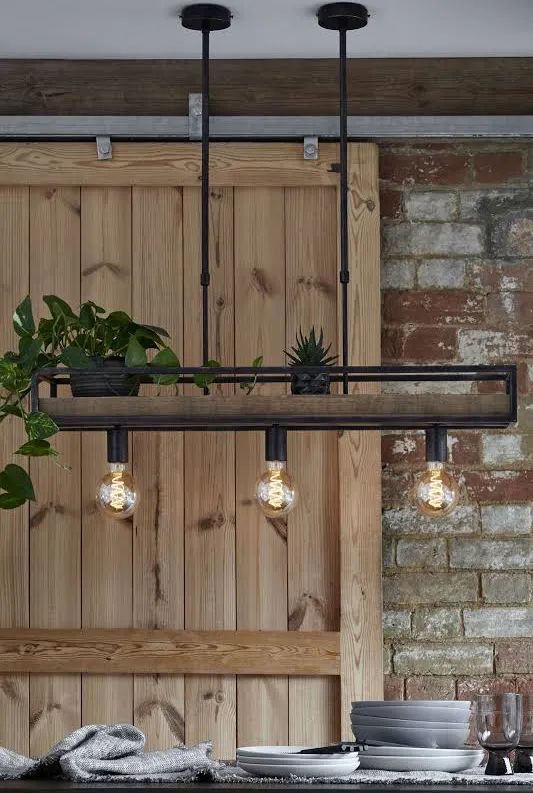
(282, 761)
(414, 735)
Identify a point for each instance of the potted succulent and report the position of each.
(310, 351)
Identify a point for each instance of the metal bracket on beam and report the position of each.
(104, 149)
(195, 116)
(311, 147)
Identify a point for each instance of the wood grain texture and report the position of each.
(14, 542)
(259, 223)
(296, 86)
(205, 653)
(165, 165)
(209, 476)
(55, 518)
(359, 454)
(313, 529)
(353, 409)
(106, 544)
(158, 542)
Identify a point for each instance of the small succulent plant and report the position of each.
(310, 351)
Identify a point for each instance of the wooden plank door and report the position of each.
(197, 555)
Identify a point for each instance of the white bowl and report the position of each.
(413, 736)
(451, 764)
(308, 759)
(377, 721)
(418, 713)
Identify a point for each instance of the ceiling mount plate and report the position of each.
(206, 16)
(342, 16)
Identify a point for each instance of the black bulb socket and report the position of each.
(276, 444)
(436, 445)
(117, 446)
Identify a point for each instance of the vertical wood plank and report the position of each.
(359, 454)
(313, 527)
(106, 544)
(158, 543)
(209, 485)
(14, 285)
(262, 714)
(55, 518)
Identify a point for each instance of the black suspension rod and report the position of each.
(344, 274)
(205, 276)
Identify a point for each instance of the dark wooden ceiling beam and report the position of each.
(395, 86)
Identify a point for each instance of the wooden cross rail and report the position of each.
(134, 651)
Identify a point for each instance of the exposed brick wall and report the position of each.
(457, 279)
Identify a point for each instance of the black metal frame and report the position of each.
(279, 374)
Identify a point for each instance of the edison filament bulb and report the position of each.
(117, 495)
(276, 492)
(436, 491)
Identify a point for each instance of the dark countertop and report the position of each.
(48, 786)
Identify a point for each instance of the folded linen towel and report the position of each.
(103, 752)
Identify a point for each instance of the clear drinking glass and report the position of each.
(499, 724)
(523, 762)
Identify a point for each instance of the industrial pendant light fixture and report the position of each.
(436, 493)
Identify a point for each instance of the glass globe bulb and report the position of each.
(276, 492)
(436, 493)
(117, 495)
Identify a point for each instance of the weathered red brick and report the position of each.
(425, 168)
(395, 487)
(510, 309)
(448, 307)
(502, 276)
(514, 656)
(494, 487)
(524, 684)
(405, 448)
(498, 166)
(465, 448)
(393, 687)
(430, 345)
(392, 342)
(390, 203)
(427, 687)
(469, 687)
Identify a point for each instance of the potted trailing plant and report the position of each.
(310, 351)
(99, 346)
(95, 344)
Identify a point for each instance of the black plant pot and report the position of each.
(307, 383)
(105, 378)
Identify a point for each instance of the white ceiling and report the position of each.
(263, 29)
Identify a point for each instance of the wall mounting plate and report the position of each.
(342, 16)
(205, 16)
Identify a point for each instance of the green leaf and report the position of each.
(40, 425)
(16, 481)
(12, 410)
(205, 380)
(37, 448)
(58, 308)
(87, 316)
(118, 318)
(10, 501)
(29, 350)
(23, 321)
(258, 361)
(165, 357)
(75, 358)
(153, 329)
(135, 354)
